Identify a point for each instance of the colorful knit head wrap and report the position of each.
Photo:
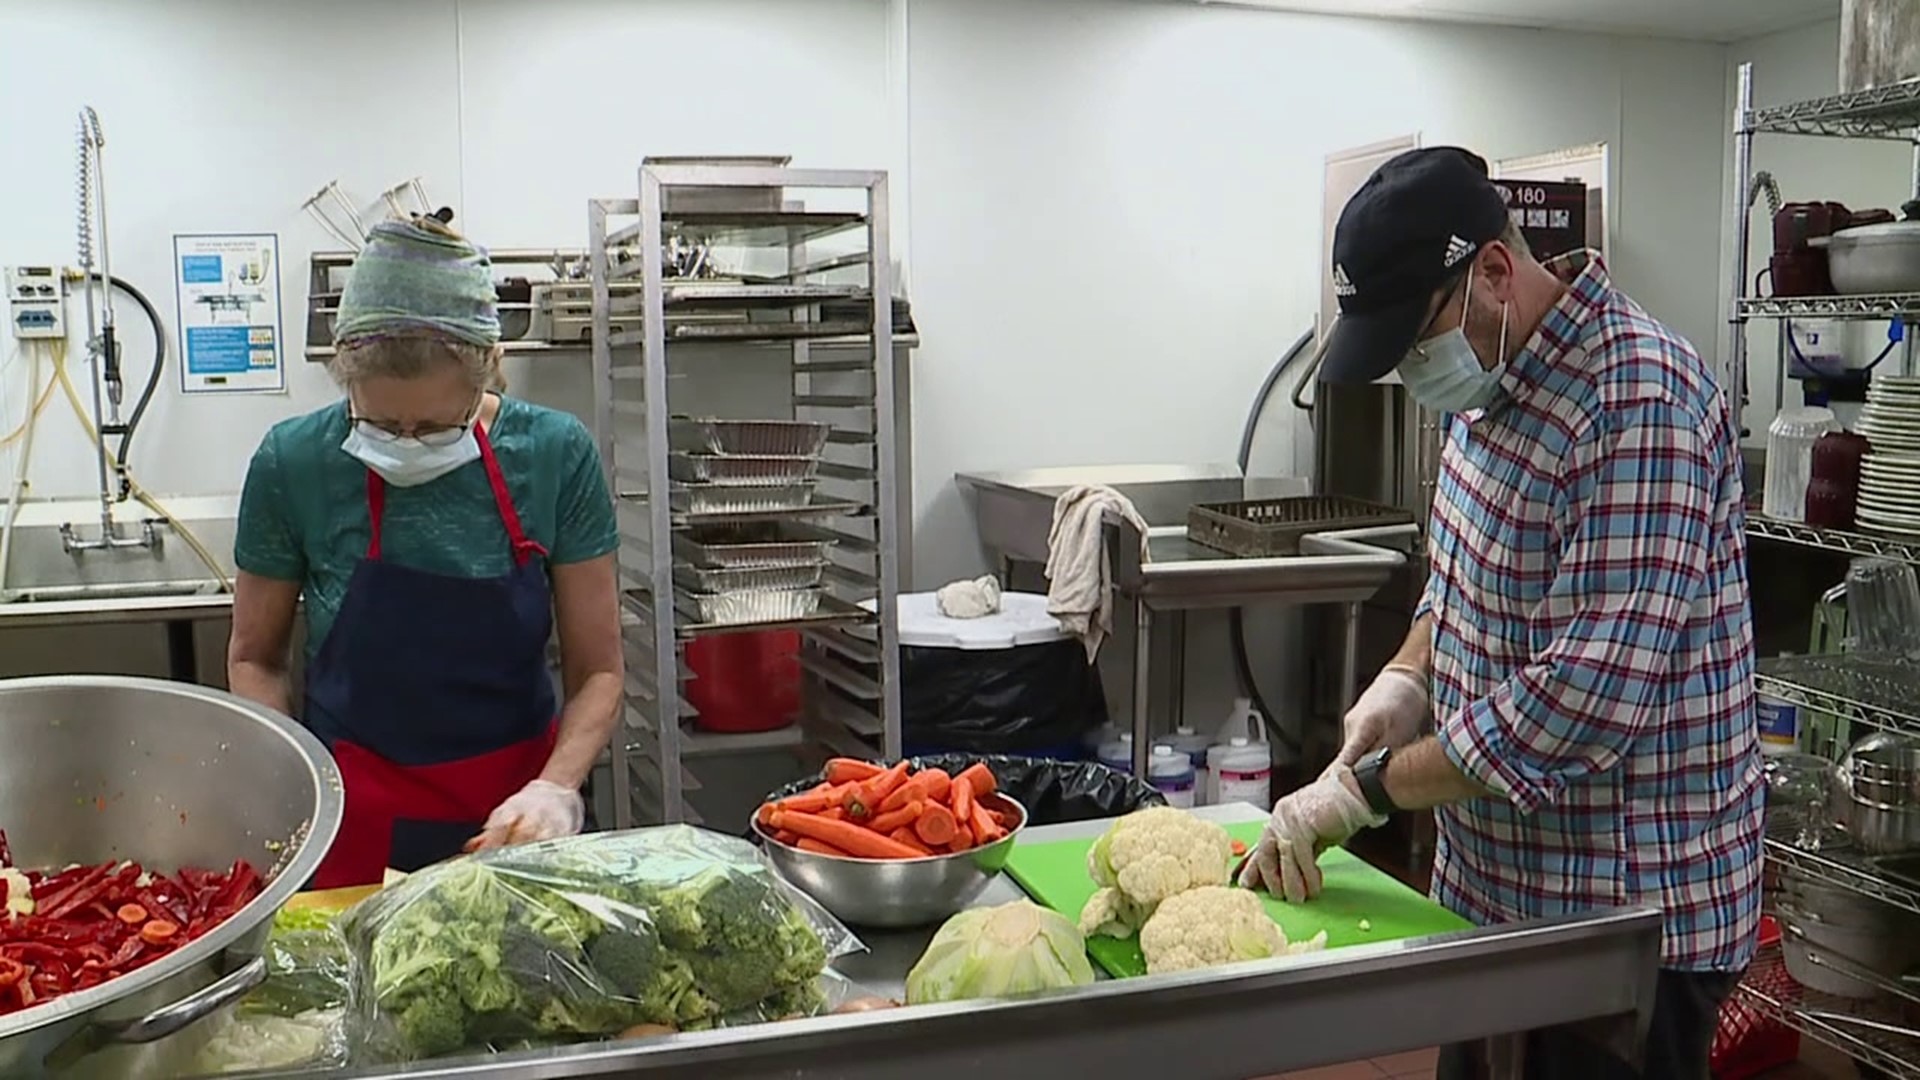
(412, 277)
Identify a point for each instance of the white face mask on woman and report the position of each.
(1443, 373)
(409, 460)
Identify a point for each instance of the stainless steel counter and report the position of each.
(145, 607)
(1226, 1024)
(1013, 512)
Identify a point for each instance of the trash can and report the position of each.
(1008, 683)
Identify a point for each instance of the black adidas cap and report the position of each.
(1404, 235)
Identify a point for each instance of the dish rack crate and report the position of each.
(745, 405)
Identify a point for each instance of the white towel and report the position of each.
(1079, 574)
(974, 599)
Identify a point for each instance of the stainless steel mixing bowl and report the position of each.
(167, 774)
(893, 893)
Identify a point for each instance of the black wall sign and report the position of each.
(1552, 214)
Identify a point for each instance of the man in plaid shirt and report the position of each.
(1584, 648)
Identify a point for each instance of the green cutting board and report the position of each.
(1055, 874)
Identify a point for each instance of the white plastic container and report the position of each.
(1239, 722)
(1790, 440)
(1172, 773)
(1240, 770)
(1118, 754)
(1194, 745)
(1780, 722)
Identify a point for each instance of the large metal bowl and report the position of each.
(169, 775)
(896, 893)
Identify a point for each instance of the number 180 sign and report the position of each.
(1552, 215)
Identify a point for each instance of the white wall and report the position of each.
(1109, 209)
(1800, 65)
(1116, 207)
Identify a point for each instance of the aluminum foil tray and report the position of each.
(728, 499)
(702, 579)
(742, 470)
(782, 438)
(755, 606)
(747, 547)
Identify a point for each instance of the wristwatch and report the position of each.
(1371, 774)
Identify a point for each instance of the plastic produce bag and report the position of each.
(581, 938)
(1054, 792)
(1030, 699)
(298, 1017)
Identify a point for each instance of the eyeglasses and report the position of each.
(427, 434)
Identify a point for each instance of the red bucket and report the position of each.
(1748, 1042)
(745, 682)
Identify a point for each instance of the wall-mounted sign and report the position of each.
(1552, 214)
(227, 302)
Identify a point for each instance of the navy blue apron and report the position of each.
(432, 692)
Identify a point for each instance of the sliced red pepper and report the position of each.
(11, 971)
(81, 891)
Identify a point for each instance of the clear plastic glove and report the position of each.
(1389, 713)
(540, 811)
(1305, 823)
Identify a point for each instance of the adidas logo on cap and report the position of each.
(1457, 249)
(1342, 284)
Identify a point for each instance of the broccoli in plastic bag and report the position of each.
(584, 937)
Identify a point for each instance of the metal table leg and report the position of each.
(1349, 656)
(183, 661)
(1177, 677)
(1506, 1057)
(1142, 672)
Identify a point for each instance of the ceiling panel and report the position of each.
(1705, 20)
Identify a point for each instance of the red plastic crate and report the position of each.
(1748, 1042)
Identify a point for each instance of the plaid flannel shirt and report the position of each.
(1592, 643)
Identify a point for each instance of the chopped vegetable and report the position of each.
(1214, 925)
(1015, 948)
(72, 929)
(904, 814)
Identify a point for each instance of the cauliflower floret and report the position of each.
(1214, 925)
(1155, 853)
(1109, 913)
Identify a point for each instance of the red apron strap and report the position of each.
(376, 510)
(524, 548)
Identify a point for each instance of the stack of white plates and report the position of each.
(1890, 494)
(1890, 475)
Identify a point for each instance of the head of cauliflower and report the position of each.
(1211, 926)
(1152, 854)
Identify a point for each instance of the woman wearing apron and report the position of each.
(438, 533)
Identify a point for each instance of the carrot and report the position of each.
(905, 835)
(844, 770)
(1238, 847)
(786, 838)
(863, 800)
(834, 813)
(928, 784)
(985, 829)
(812, 802)
(962, 839)
(899, 817)
(962, 799)
(856, 840)
(936, 826)
(131, 914)
(764, 814)
(818, 848)
(158, 931)
(1006, 819)
(979, 778)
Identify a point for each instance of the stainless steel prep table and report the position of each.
(1231, 1024)
(1013, 512)
(176, 612)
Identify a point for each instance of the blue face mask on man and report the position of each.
(1444, 373)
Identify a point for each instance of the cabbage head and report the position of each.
(1015, 948)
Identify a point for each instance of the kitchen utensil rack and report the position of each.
(1863, 1037)
(781, 260)
(1887, 113)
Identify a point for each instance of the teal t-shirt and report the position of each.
(303, 513)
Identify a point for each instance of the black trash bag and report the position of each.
(1054, 792)
(1031, 699)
